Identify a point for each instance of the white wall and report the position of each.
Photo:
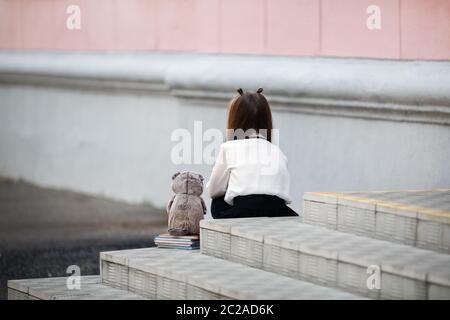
(111, 136)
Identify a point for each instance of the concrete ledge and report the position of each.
(331, 258)
(56, 289)
(136, 72)
(415, 91)
(178, 274)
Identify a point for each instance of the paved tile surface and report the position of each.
(433, 202)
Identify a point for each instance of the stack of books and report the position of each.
(165, 240)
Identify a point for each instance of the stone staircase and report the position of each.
(177, 274)
(378, 245)
(56, 289)
(418, 218)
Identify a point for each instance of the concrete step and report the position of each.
(414, 217)
(181, 274)
(330, 258)
(56, 289)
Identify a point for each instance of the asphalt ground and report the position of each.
(43, 231)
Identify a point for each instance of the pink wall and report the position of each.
(410, 29)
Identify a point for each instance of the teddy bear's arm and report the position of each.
(203, 205)
(169, 205)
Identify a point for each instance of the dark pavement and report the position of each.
(43, 231)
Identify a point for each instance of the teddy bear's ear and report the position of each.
(175, 175)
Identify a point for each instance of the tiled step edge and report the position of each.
(330, 258)
(56, 289)
(378, 219)
(178, 274)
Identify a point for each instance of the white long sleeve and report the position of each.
(218, 182)
(249, 166)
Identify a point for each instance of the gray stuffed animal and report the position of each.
(186, 208)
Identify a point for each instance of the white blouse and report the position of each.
(249, 166)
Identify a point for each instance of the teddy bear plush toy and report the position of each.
(186, 208)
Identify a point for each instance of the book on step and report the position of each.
(165, 240)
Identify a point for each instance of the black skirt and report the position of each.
(255, 205)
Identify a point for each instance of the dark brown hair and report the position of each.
(250, 111)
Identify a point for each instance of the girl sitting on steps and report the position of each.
(250, 177)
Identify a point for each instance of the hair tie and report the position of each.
(259, 90)
(240, 91)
